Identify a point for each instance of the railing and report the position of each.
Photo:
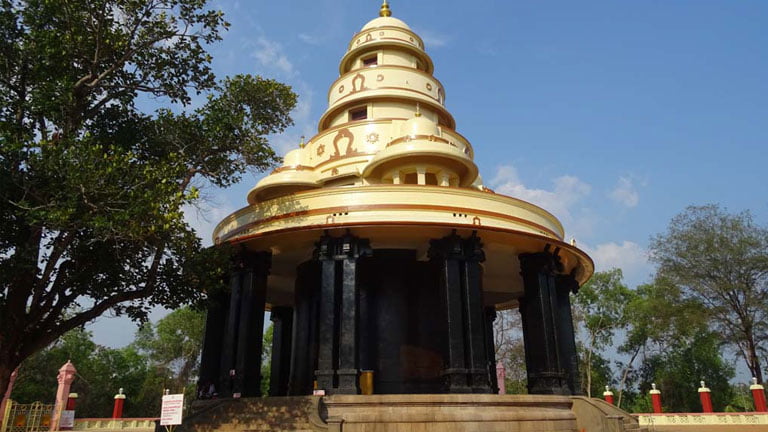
(701, 419)
(110, 424)
(34, 417)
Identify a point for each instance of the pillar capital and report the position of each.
(473, 248)
(448, 247)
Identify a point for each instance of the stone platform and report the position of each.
(391, 413)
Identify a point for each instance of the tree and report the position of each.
(721, 260)
(101, 373)
(679, 368)
(172, 347)
(601, 306)
(658, 316)
(510, 350)
(91, 188)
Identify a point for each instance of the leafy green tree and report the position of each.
(658, 316)
(266, 359)
(721, 260)
(91, 188)
(678, 370)
(601, 309)
(173, 345)
(510, 351)
(101, 373)
(597, 372)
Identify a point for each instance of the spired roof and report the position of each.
(385, 19)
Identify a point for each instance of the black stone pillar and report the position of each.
(251, 325)
(538, 309)
(210, 359)
(304, 345)
(327, 341)
(348, 336)
(338, 360)
(490, 346)
(229, 343)
(567, 284)
(447, 255)
(282, 324)
(475, 322)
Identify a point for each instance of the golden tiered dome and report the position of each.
(388, 164)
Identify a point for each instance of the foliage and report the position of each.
(173, 346)
(101, 373)
(601, 306)
(721, 260)
(678, 370)
(510, 351)
(266, 359)
(600, 373)
(92, 189)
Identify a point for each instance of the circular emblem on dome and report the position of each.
(429, 86)
(320, 149)
(335, 171)
(379, 77)
(341, 88)
(372, 137)
(381, 33)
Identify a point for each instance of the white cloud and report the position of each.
(566, 193)
(629, 256)
(432, 39)
(270, 55)
(310, 39)
(625, 193)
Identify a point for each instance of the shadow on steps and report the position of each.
(597, 415)
(282, 414)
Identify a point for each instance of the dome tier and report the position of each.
(387, 164)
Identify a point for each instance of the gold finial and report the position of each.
(384, 11)
(301, 144)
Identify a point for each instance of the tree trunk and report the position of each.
(624, 374)
(6, 369)
(589, 373)
(753, 362)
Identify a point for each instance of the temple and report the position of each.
(380, 253)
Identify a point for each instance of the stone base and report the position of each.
(390, 413)
(450, 412)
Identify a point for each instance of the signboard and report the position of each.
(171, 411)
(67, 419)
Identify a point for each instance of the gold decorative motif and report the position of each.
(320, 149)
(379, 77)
(372, 137)
(381, 33)
(335, 171)
(358, 79)
(341, 88)
(368, 37)
(429, 86)
(344, 134)
(385, 11)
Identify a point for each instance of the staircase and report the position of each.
(279, 414)
(597, 415)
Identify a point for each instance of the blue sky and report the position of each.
(614, 115)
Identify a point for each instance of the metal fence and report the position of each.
(34, 417)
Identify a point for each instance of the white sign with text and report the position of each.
(172, 410)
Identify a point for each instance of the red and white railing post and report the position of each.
(705, 394)
(608, 395)
(655, 399)
(117, 411)
(758, 394)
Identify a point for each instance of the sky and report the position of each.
(613, 115)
